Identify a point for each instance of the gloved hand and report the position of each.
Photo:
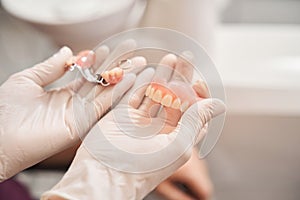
(36, 123)
(123, 156)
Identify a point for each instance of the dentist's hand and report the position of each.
(125, 156)
(36, 123)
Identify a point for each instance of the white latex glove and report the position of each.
(35, 123)
(113, 162)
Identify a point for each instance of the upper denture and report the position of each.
(176, 94)
(167, 100)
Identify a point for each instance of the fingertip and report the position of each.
(169, 59)
(60, 57)
(200, 87)
(65, 50)
(165, 68)
(125, 46)
(51, 69)
(103, 50)
(139, 61)
(104, 47)
(188, 55)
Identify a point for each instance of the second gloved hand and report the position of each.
(125, 157)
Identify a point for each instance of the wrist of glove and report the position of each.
(88, 178)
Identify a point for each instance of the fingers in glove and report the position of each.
(200, 87)
(135, 95)
(184, 73)
(163, 73)
(200, 113)
(184, 70)
(136, 62)
(111, 95)
(50, 70)
(103, 62)
(123, 51)
(166, 67)
(101, 54)
(76, 85)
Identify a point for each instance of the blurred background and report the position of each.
(255, 45)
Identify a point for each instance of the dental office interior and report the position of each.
(255, 45)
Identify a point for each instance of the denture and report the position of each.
(85, 59)
(113, 76)
(175, 94)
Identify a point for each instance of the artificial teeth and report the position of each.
(148, 91)
(176, 104)
(157, 96)
(111, 73)
(184, 106)
(167, 100)
(118, 72)
(105, 75)
(151, 93)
